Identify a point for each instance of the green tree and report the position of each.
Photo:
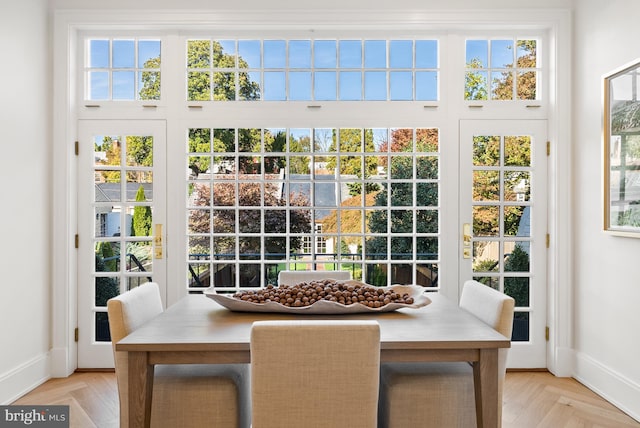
(401, 194)
(139, 150)
(199, 142)
(517, 287)
(475, 87)
(104, 251)
(486, 183)
(351, 140)
(526, 84)
(112, 149)
(204, 84)
(526, 80)
(476, 82)
(275, 141)
(141, 221)
(249, 140)
(151, 80)
(106, 288)
(354, 140)
(202, 55)
(299, 164)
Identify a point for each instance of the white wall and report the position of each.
(25, 196)
(606, 268)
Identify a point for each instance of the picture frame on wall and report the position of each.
(621, 154)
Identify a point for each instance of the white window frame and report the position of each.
(67, 25)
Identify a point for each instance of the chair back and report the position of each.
(292, 277)
(315, 373)
(491, 306)
(127, 312)
(132, 309)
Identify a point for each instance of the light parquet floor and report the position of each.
(92, 398)
(531, 399)
(539, 399)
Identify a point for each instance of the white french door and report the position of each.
(121, 218)
(503, 211)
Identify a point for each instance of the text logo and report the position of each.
(34, 416)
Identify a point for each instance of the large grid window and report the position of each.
(305, 70)
(257, 197)
(505, 69)
(122, 69)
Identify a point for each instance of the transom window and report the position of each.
(368, 198)
(305, 70)
(122, 69)
(505, 69)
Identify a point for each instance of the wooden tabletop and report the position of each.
(197, 323)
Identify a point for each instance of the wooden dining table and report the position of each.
(197, 330)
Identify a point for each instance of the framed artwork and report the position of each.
(622, 151)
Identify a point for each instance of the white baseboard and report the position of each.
(561, 362)
(609, 384)
(24, 378)
(62, 364)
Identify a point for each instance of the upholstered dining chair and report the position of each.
(183, 395)
(315, 373)
(292, 277)
(442, 394)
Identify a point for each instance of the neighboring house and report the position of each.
(108, 217)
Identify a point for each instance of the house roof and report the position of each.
(111, 192)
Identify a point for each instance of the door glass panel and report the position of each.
(516, 256)
(501, 209)
(518, 288)
(117, 217)
(517, 150)
(517, 221)
(516, 185)
(486, 185)
(138, 257)
(486, 150)
(107, 257)
(486, 220)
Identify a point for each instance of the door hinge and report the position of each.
(546, 334)
(77, 241)
(75, 334)
(548, 239)
(77, 148)
(548, 148)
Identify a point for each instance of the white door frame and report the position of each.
(93, 353)
(530, 354)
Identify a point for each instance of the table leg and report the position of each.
(140, 390)
(485, 375)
